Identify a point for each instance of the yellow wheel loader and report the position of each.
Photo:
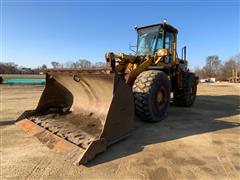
(83, 111)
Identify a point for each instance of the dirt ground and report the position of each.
(202, 142)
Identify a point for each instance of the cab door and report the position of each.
(169, 44)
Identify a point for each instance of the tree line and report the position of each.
(216, 68)
(12, 68)
(81, 63)
(213, 68)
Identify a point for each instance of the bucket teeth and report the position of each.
(37, 121)
(54, 129)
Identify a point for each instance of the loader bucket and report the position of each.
(80, 113)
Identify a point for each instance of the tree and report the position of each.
(199, 72)
(212, 67)
(8, 68)
(82, 63)
(71, 64)
(44, 67)
(100, 64)
(56, 65)
(236, 59)
(228, 66)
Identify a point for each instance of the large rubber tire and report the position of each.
(187, 95)
(151, 91)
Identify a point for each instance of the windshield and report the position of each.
(147, 39)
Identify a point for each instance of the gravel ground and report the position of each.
(202, 142)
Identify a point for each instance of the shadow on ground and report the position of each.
(205, 116)
(7, 122)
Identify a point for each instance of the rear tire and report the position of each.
(151, 91)
(187, 95)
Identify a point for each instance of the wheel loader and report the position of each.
(83, 111)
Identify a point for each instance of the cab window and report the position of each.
(159, 42)
(169, 42)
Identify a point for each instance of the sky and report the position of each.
(38, 32)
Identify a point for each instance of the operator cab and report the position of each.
(155, 37)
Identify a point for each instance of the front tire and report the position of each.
(151, 92)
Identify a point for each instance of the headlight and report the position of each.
(162, 52)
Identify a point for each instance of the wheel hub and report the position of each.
(161, 97)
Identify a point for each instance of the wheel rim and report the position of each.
(161, 97)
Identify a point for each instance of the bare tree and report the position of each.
(212, 67)
(236, 59)
(76, 64)
(56, 65)
(68, 64)
(8, 68)
(82, 63)
(71, 64)
(44, 67)
(199, 72)
(228, 66)
(100, 64)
